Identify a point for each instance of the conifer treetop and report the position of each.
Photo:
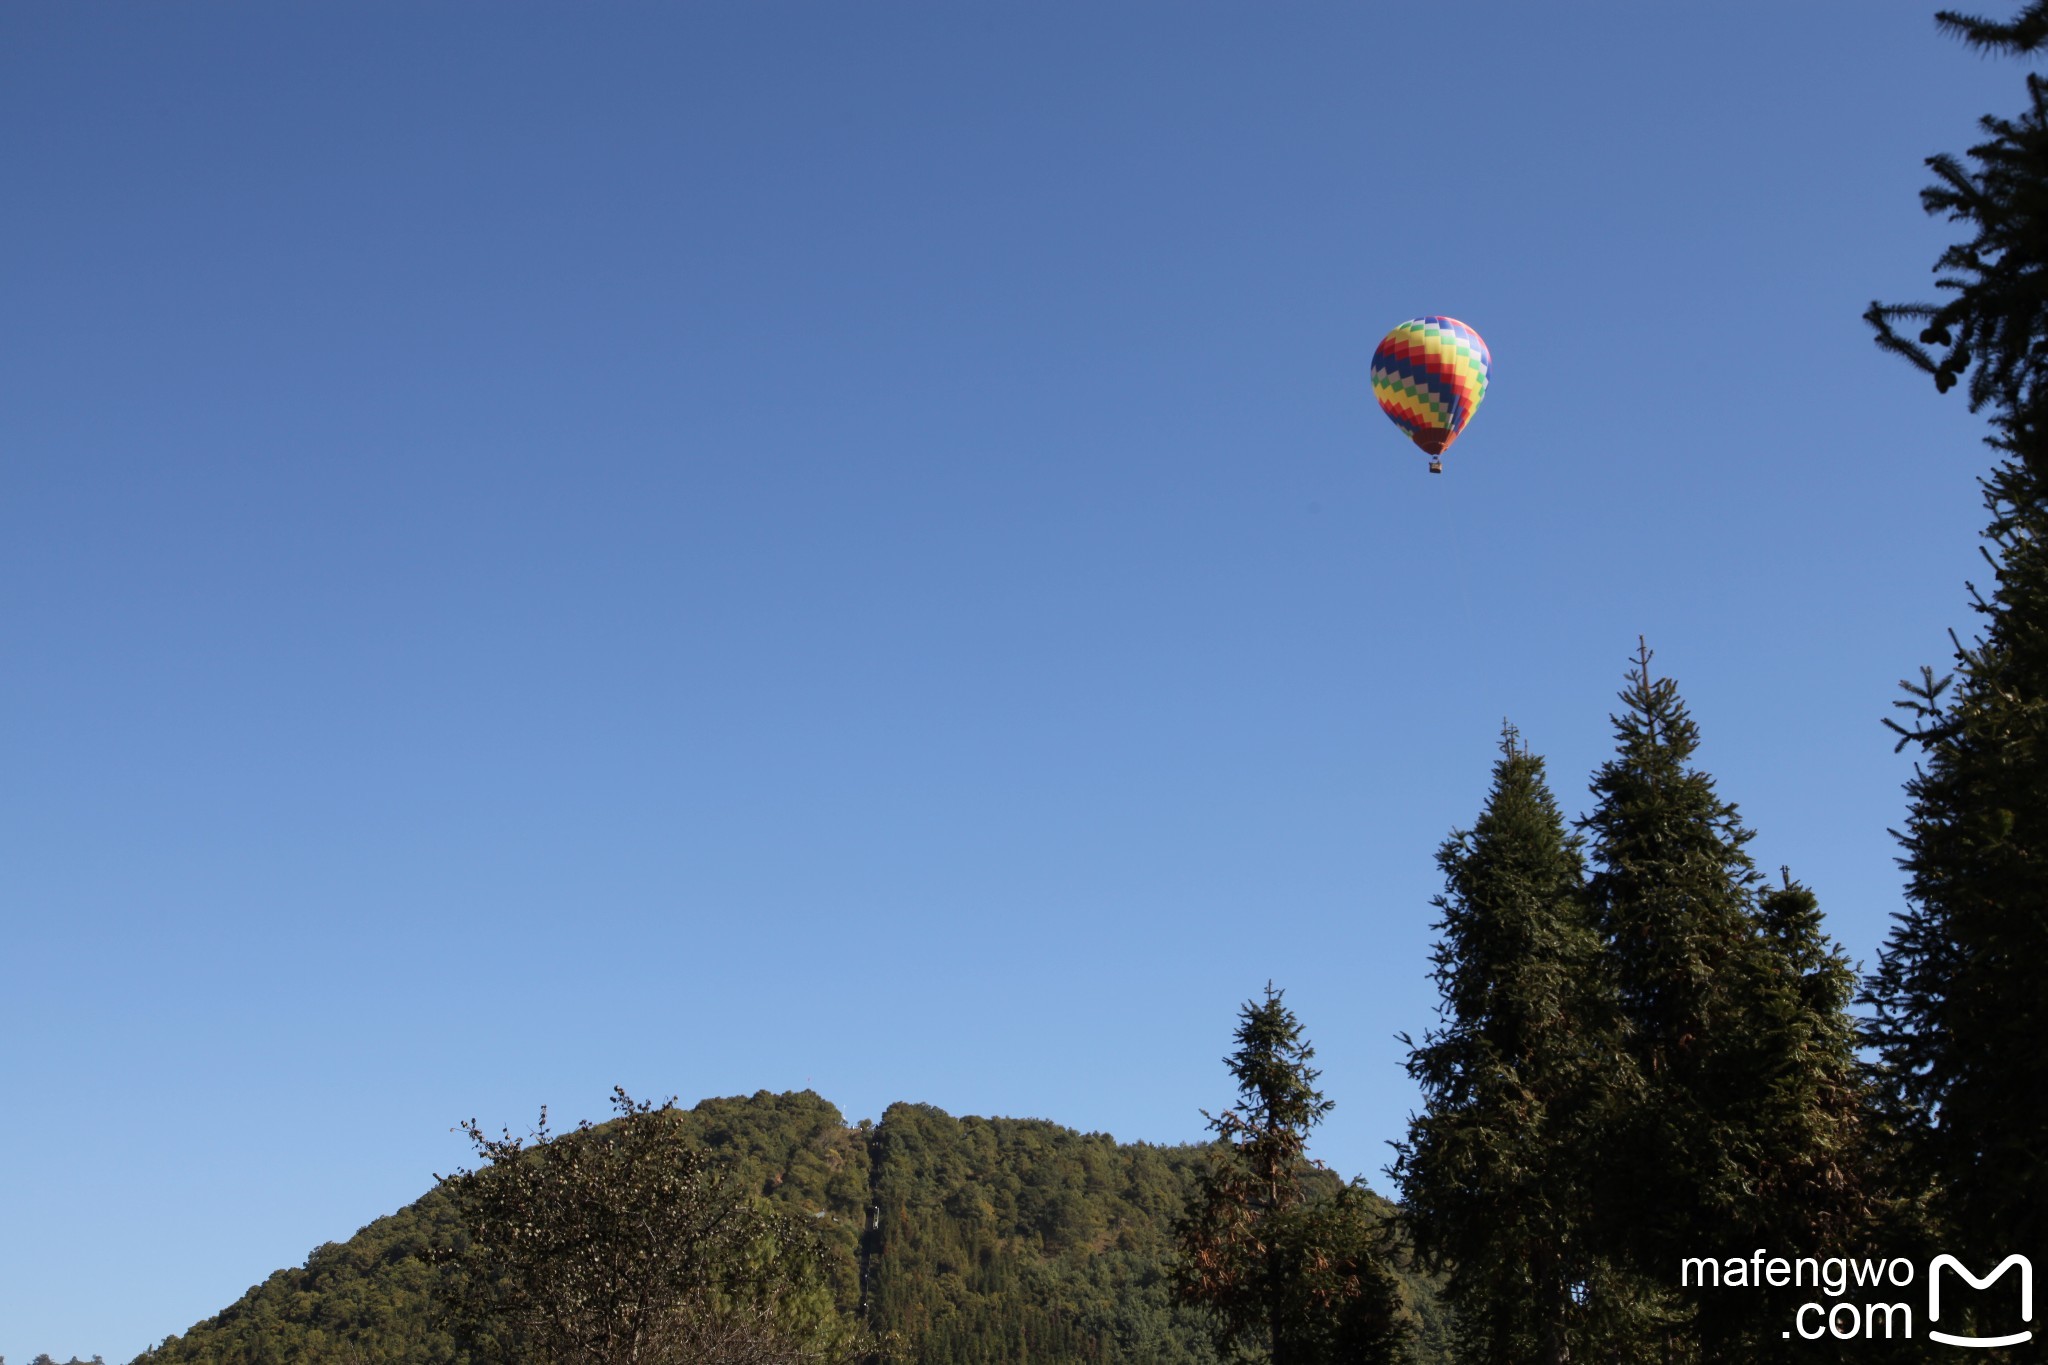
(1655, 737)
(1276, 1085)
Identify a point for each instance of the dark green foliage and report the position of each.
(1290, 1270)
(1000, 1240)
(1814, 1189)
(626, 1244)
(1995, 327)
(1497, 1174)
(1009, 1240)
(1671, 894)
(372, 1298)
(1340, 1299)
(1960, 997)
(1673, 887)
(2024, 32)
(1644, 1064)
(383, 1295)
(1744, 1123)
(796, 1152)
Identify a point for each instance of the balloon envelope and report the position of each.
(1430, 375)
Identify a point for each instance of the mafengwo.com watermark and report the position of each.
(1870, 1299)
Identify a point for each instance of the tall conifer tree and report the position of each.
(1962, 1002)
(1494, 1174)
(1961, 997)
(1748, 1121)
(1290, 1266)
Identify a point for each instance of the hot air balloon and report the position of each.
(1429, 375)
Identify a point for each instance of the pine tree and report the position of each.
(1815, 1187)
(1297, 1275)
(1994, 328)
(1961, 1001)
(1493, 1174)
(1962, 1005)
(1748, 1123)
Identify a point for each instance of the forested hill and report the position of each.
(970, 1241)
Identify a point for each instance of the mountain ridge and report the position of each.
(962, 1241)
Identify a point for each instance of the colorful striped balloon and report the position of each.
(1430, 375)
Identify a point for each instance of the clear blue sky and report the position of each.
(719, 547)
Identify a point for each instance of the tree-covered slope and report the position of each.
(957, 1241)
(1000, 1240)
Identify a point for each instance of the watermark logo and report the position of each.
(1854, 1317)
(2026, 1299)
